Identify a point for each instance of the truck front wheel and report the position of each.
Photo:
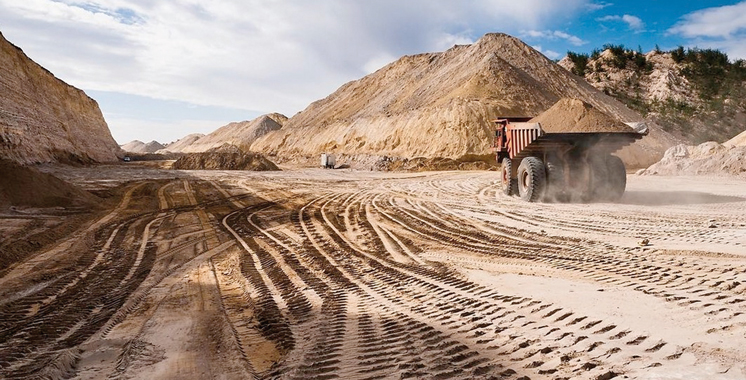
(510, 184)
(556, 187)
(532, 179)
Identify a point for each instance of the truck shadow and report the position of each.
(663, 198)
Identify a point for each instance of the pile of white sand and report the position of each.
(710, 159)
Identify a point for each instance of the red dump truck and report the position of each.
(561, 167)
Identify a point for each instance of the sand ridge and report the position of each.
(442, 105)
(43, 119)
(241, 134)
(738, 140)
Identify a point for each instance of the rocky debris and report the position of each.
(708, 158)
(43, 119)
(739, 140)
(179, 145)
(164, 156)
(576, 116)
(443, 104)
(226, 157)
(419, 164)
(137, 146)
(25, 186)
(241, 134)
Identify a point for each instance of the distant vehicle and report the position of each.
(328, 161)
(540, 166)
(127, 159)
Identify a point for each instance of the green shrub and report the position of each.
(580, 62)
(678, 54)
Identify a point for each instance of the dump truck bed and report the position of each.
(526, 139)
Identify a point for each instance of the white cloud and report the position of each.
(551, 54)
(251, 54)
(598, 6)
(448, 40)
(553, 35)
(633, 22)
(718, 27)
(378, 62)
(721, 22)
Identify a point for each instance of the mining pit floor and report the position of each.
(324, 274)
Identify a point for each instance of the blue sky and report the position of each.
(647, 23)
(163, 69)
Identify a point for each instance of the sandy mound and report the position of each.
(739, 140)
(179, 145)
(137, 146)
(226, 157)
(241, 134)
(133, 146)
(709, 158)
(24, 186)
(443, 104)
(576, 116)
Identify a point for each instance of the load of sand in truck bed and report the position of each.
(571, 115)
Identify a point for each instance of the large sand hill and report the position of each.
(442, 104)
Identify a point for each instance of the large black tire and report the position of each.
(510, 184)
(617, 180)
(579, 185)
(532, 179)
(608, 178)
(556, 188)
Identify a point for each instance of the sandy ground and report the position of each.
(359, 275)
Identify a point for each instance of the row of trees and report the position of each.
(710, 70)
(621, 58)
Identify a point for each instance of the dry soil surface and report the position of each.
(320, 274)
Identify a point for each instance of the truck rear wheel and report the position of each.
(608, 178)
(556, 188)
(617, 180)
(510, 184)
(532, 179)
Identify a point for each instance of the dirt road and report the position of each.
(357, 275)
